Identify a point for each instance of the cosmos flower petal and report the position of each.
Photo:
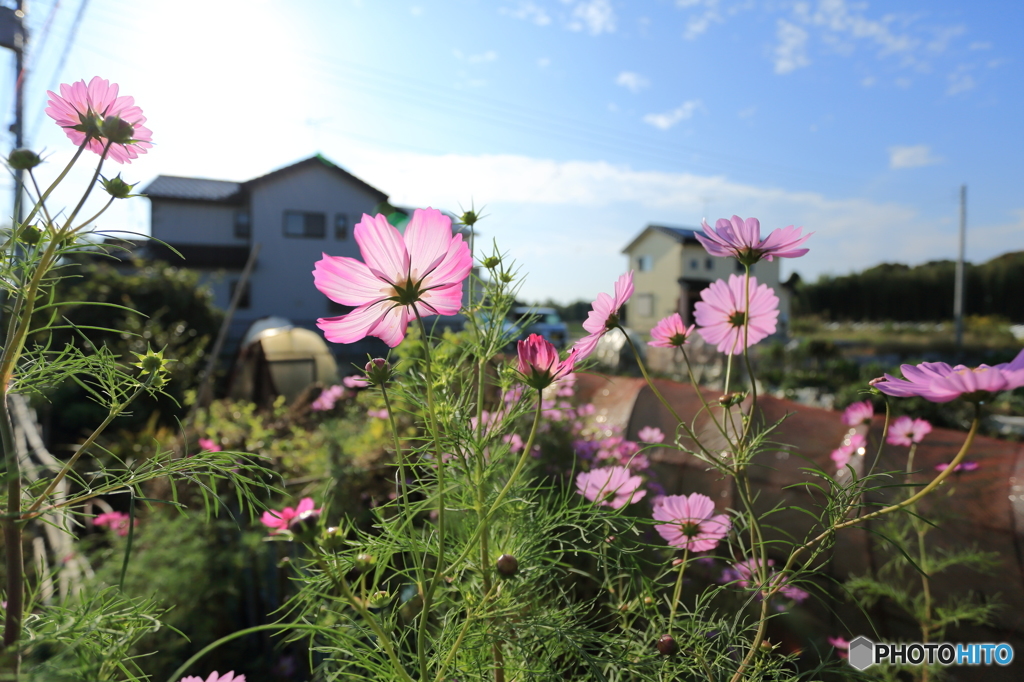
(348, 281)
(427, 237)
(382, 248)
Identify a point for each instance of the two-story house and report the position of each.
(295, 213)
(671, 268)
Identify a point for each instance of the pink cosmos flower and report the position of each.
(746, 572)
(604, 315)
(842, 646)
(742, 239)
(721, 313)
(327, 398)
(940, 383)
(966, 465)
(216, 677)
(611, 487)
(858, 413)
(853, 443)
(421, 272)
(355, 381)
(690, 524)
(377, 414)
(651, 434)
(670, 332)
(539, 364)
(209, 445)
(81, 109)
(115, 521)
(278, 521)
(906, 431)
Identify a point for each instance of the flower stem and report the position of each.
(15, 562)
(678, 591)
(403, 486)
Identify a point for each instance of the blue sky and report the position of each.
(577, 122)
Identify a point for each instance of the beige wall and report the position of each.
(661, 282)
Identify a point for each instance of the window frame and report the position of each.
(308, 229)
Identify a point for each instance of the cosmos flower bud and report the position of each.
(507, 565)
(365, 562)
(23, 159)
(29, 235)
(470, 217)
(379, 599)
(491, 262)
(667, 645)
(378, 371)
(117, 130)
(118, 188)
(332, 538)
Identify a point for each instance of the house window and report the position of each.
(243, 224)
(244, 300)
(645, 263)
(302, 224)
(709, 264)
(341, 226)
(645, 305)
(694, 264)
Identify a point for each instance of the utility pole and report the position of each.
(14, 37)
(958, 285)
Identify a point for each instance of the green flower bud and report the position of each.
(506, 278)
(364, 562)
(117, 130)
(378, 371)
(332, 539)
(470, 217)
(29, 235)
(507, 565)
(491, 262)
(379, 600)
(23, 159)
(118, 188)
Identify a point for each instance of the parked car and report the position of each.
(543, 321)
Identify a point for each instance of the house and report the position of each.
(295, 213)
(671, 268)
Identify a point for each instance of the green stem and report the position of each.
(403, 487)
(53, 185)
(15, 561)
(88, 189)
(678, 591)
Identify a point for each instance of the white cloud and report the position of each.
(791, 52)
(482, 58)
(747, 113)
(978, 45)
(633, 82)
(528, 11)
(867, 81)
(698, 24)
(593, 16)
(681, 113)
(959, 81)
(913, 156)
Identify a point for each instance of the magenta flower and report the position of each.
(539, 364)
(670, 332)
(216, 677)
(209, 445)
(858, 413)
(278, 521)
(355, 381)
(940, 383)
(604, 315)
(853, 444)
(742, 239)
(611, 487)
(906, 431)
(651, 434)
(746, 572)
(841, 645)
(421, 272)
(966, 465)
(92, 111)
(721, 314)
(116, 521)
(690, 524)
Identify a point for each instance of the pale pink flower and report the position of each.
(842, 646)
(355, 381)
(215, 677)
(327, 398)
(746, 574)
(670, 332)
(651, 434)
(209, 445)
(966, 465)
(742, 239)
(940, 383)
(906, 431)
(278, 521)
(80, 109)
(377, 414)
(420, 272)
(858, 413)
(114, 520)
(604, 315)
(853, 444)
(690, 522)
(539, 364)
(721, 313)
(611, 487)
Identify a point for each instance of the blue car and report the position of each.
(543, 321)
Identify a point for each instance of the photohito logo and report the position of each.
(864, 653)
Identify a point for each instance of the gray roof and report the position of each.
(685, 235)
(193, 189)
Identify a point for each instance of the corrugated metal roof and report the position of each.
(193, 189)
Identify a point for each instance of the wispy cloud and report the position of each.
(959, 81)
(698, 24)
(791, 52)
(913, 156)
(528, 11)
(746, 113)
(633, 82)
(593, 16)
(671, 118)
